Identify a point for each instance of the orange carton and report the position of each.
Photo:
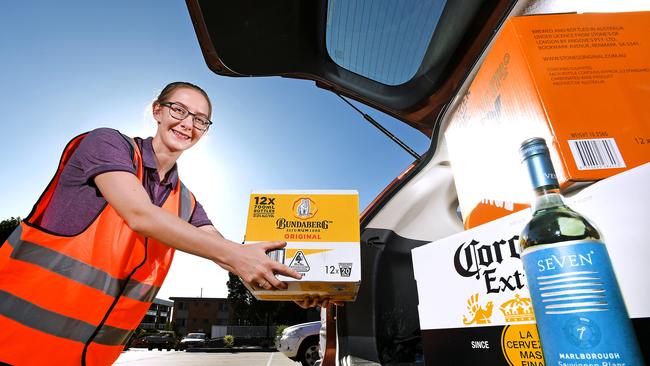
(581, 81)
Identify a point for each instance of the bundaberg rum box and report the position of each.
(581, 316)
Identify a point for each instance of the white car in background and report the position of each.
(193, 340)
(300, 342)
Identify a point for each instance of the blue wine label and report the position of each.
(579, 309)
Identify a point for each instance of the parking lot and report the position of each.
(143, 357)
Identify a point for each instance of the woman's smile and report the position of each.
(181, 136)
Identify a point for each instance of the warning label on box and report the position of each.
(299, 263)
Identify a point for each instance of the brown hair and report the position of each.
(169, 89)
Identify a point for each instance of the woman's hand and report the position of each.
(254, 267)
(312, 301)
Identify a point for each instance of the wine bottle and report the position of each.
(580, 313)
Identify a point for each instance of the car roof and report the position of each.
(295, 39)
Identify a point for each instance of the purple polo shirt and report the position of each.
(77, 201)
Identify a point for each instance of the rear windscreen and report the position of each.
(383, 40)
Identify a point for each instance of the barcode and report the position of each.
(276, 255)
(596, 154)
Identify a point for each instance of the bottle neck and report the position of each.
(547, 197)
(543, 178)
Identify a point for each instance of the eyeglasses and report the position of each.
(180, 112)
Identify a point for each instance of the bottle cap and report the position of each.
(533, 146)
(536, 157)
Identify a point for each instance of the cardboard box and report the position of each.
(474, 304)
(321, 229)
(580, 81)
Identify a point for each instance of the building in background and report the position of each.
(199, 314)
(159, 314)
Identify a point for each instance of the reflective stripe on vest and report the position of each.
(76, 270)
(185, 206)
(33, 316)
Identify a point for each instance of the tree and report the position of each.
(240, 298)
(171, 326)
(7, 227)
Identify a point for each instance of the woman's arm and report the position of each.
(211, 229)
(124, 192)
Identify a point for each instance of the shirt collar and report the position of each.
(149, 162)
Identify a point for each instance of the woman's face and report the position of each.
(179, 135)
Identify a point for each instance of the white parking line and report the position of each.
(268, 363)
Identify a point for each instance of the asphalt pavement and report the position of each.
(144, 357)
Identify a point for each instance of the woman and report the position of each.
(79, 273)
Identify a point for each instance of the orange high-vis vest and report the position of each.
(76, 300)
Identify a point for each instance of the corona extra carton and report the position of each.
(321, 229)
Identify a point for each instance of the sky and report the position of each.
(67, 67)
